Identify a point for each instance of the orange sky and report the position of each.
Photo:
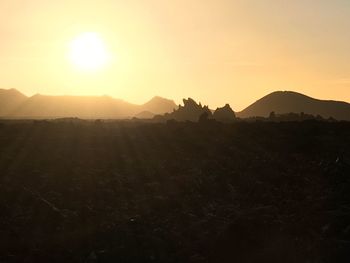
(214, 51)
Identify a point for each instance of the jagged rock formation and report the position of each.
(224, 114)
(190, 111)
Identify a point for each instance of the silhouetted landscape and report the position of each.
(160, 131)
(173, 183)
(15, 105)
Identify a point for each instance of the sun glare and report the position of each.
(88, 52)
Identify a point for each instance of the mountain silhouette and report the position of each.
(13, 104)
(9, 100)
(282, 102)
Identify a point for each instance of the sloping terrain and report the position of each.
(177, 192)
(282, 102)
(40, 106)
(159, 105)
(9, 100)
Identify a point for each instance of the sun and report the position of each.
(88, 52)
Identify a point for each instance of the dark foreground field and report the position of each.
(177, 192)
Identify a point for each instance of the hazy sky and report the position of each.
(215, 51)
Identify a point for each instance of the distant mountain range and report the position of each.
(13, 104)
(282, 102)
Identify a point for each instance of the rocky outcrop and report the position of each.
(224, 114)
(190, 111)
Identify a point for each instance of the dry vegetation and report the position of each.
(76, 191)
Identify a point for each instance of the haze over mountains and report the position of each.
(10, 100)
(14, 104)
